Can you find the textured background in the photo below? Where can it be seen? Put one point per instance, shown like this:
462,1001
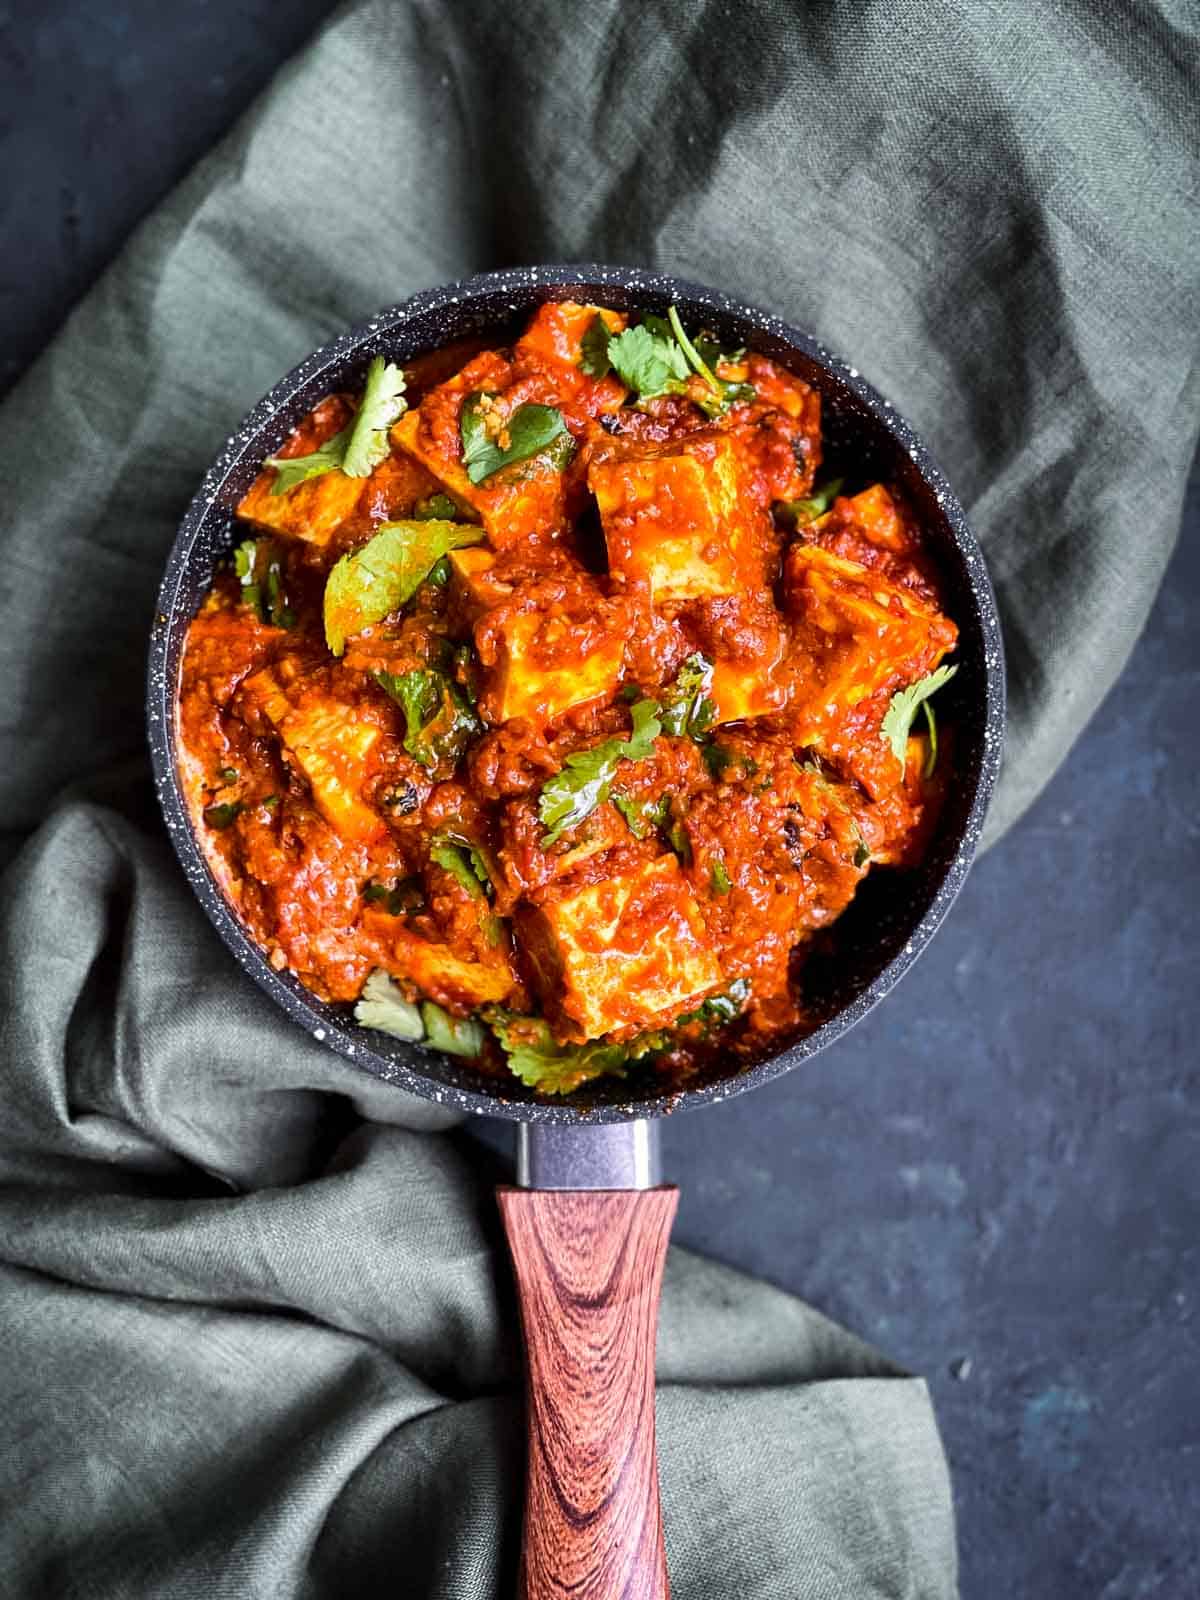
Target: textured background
994,1177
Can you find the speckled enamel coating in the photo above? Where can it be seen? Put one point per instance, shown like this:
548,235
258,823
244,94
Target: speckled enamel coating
894,915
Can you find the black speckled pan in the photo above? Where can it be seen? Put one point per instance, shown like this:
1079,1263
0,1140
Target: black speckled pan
893,916
588,1225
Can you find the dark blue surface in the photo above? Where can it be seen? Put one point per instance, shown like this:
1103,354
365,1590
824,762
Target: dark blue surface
998,1173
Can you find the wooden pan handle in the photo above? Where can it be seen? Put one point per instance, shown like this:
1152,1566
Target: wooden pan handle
589,1270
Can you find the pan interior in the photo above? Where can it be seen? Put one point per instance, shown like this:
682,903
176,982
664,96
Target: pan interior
893,914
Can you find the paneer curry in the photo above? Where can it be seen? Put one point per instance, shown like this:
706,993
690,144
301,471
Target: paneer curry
553,701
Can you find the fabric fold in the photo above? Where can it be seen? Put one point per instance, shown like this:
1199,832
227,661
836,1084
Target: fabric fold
259,1336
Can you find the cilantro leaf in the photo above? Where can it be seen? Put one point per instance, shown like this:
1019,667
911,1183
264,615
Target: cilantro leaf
259,568
464,861
702,357
660,327
482,866
417,693
656,357
593,347
634,813
245,558
708,348
404,897
729,391
903,707
382,403
275,602
727,394
457,1036
435,508
361,445
648,362
694,359
719,1008
575,792
718,758
458,864
220,816
293,470
680,841
816,504
587,776
928,769
386,572
439,723
687,709
646,728
724,1007
491,441
536,1057
382,1005
643,815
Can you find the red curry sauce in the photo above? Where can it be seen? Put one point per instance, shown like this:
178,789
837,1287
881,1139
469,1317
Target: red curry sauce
658,593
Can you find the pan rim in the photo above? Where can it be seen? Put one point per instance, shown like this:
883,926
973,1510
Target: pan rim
354,1043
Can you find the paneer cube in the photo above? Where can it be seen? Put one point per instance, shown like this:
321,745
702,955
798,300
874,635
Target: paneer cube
330,746
312,511
547,663
672,521
553,342
315,510
438,973
740,693
875,515
861,632
557,329
619,956
876,529
472,583
530,498
511,508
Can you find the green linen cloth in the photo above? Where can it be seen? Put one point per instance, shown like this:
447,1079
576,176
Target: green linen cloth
257,1329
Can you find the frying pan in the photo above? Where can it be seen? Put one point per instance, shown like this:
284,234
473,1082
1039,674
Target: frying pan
589,1219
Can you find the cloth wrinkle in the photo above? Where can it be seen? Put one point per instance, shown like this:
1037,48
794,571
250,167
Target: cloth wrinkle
261,1335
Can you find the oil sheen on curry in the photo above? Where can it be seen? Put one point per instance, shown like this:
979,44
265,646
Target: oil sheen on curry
552,701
